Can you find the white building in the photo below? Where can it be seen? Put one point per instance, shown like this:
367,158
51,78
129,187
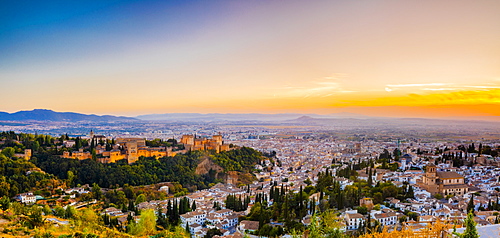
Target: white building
27,198
354,220
193,218
386,219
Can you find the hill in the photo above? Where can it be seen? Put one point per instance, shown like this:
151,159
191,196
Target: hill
182,168
49,115
232,117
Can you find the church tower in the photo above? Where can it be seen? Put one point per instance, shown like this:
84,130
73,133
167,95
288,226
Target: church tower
430,178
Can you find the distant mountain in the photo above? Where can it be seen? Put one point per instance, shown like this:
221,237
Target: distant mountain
49,115
381,122
241,117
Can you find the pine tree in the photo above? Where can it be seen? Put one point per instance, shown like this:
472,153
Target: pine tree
470,228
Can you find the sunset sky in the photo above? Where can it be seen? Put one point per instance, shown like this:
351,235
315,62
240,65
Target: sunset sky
384,58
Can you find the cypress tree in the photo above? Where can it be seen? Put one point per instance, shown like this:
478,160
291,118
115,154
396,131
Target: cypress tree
193,207
470,205
175,212
169,209
187,229
271,193
370,180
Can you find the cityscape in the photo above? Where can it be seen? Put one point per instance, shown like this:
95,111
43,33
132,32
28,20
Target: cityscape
236,119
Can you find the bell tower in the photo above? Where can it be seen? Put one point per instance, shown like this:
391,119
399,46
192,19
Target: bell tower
430,178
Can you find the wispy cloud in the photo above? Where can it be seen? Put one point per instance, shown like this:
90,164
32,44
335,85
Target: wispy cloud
416,85
422,86
324,87
483,87
439,87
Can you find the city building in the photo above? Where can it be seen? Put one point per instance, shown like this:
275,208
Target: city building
444,183
215,143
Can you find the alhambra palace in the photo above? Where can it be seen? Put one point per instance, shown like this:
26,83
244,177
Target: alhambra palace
132,149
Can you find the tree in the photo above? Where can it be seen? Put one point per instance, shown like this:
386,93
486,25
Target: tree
35,218
146,225
35,146
438,229
193,207
370,179
4,203
148,222
71,178
413,216
403,219
140,199
88,217
59,211
70,212
8,152
212,232
470,205
362,210
96,191
470,228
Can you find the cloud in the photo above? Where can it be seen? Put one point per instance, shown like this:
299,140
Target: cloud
434,98
425,86
483,87
416,85
440,87
324,87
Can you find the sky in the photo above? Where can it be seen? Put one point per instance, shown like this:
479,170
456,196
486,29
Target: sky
372,57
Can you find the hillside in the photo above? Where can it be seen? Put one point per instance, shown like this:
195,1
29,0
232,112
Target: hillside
19,176
192,169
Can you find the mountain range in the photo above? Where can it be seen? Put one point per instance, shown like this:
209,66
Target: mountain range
49,115
242,116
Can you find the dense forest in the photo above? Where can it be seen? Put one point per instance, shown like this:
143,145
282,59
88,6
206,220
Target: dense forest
18,176
180,168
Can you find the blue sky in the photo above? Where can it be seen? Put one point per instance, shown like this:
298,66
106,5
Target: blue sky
135,57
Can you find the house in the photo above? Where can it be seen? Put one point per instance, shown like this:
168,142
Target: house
353,220
248,226
232,220
193,218
26,198
223,213
194,228
386,219
69,143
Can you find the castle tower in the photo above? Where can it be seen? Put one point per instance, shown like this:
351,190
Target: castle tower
187,139
218,139
27,154
132,152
